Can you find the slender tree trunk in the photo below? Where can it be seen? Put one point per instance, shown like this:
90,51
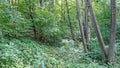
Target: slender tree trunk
81,26
97,30
87,26
111,53
69,20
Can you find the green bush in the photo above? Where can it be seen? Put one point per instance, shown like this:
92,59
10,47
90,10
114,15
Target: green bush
28,53
47,27
12,23
19,54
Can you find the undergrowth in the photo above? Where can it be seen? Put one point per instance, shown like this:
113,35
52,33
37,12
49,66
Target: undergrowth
26,53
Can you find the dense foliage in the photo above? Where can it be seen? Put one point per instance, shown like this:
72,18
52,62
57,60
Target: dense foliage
38,35
26,53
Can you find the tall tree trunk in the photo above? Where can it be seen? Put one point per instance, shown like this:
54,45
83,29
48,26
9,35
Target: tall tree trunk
97,30
87,26
81,27
111,53
69,20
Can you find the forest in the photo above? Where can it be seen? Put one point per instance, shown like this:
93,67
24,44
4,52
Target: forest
59,33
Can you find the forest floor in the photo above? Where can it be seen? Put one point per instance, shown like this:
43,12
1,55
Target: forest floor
26,53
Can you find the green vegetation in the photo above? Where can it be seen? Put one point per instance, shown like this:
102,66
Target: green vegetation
55,34
25,53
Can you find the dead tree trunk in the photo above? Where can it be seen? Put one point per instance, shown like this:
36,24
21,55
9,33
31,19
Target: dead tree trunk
111,53
97,30
81,27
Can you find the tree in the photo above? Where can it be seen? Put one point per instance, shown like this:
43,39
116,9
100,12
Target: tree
86,25
81,27
97,30
111,54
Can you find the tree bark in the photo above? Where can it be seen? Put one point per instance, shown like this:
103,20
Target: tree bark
111,53
86,25
81,27
97,30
